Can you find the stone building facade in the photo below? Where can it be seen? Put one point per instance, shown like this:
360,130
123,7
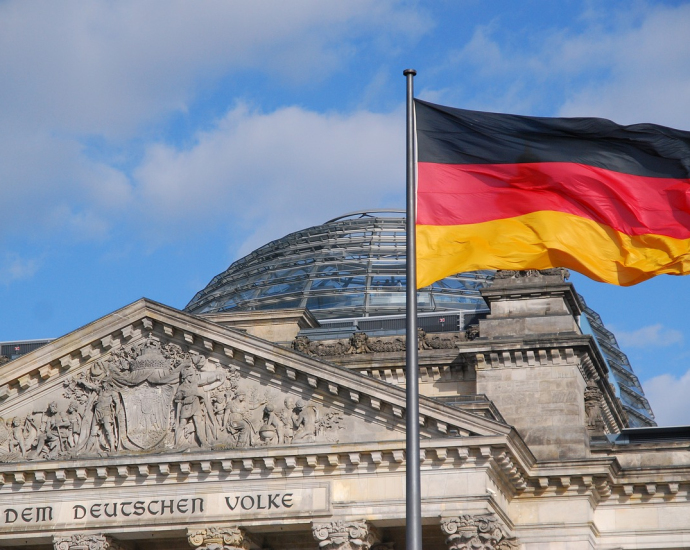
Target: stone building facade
153,428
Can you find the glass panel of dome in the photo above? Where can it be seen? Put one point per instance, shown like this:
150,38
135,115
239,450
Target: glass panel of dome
388,281
281,288
424,299
282,304
379,299
455,284
388,267
326,284
341,268
337,301
235,300
353,282
291,273
450,299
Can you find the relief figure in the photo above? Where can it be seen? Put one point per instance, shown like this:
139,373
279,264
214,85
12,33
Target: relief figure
237,421
305,423
271,430
193,413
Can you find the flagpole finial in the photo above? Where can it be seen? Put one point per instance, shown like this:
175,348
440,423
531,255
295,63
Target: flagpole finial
410,71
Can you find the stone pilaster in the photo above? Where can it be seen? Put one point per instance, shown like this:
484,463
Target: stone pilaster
219,538
87,542
478,532
346,535
538,384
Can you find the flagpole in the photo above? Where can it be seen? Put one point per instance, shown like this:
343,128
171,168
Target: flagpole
413,511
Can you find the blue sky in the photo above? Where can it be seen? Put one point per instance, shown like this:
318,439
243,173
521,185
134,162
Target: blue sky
145,145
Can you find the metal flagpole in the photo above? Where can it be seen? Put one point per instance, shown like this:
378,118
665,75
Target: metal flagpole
413,512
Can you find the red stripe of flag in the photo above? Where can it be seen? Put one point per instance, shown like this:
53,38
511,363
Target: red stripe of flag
454,194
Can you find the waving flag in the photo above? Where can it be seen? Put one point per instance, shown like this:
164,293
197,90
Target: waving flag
513,192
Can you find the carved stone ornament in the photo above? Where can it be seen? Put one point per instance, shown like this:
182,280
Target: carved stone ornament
219,538
346,535
87,542
595,419
361,343
156,397
472,332
562,273
478,532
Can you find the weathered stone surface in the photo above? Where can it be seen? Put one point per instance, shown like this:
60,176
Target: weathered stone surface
549,413
87,542
220,538
476,532
346,535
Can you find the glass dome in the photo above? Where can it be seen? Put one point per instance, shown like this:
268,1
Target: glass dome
351,266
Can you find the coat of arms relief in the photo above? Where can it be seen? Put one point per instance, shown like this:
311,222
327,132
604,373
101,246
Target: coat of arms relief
157,397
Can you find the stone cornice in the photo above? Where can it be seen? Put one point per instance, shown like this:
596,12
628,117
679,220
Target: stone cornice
504,460
303,317
533,288
496,452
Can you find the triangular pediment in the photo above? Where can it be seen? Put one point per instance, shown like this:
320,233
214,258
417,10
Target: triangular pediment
151,379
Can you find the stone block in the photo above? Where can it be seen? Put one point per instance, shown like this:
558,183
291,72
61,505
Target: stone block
511,327
529,307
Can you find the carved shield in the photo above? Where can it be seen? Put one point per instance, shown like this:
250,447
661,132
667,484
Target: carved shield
147,412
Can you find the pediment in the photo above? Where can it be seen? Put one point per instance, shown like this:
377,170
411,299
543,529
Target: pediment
149,379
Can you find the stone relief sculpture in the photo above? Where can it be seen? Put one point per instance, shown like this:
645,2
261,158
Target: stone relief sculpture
595,420
361,343
158,397
479,532
561,272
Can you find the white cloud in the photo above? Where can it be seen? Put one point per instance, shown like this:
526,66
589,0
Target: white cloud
81,72
668,397
628,65
649,76
278,171
15,268
101,67
648,337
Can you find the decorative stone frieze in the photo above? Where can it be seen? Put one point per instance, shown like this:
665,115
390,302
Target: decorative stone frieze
478,532
346,535
361,343
87,542
558,273
220,538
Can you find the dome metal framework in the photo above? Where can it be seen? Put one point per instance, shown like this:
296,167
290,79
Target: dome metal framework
351,266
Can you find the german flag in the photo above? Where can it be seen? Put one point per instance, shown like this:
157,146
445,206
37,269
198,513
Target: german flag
500,191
